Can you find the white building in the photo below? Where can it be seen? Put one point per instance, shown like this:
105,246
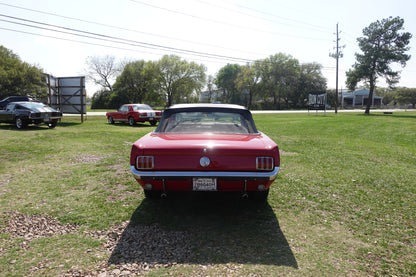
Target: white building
359,98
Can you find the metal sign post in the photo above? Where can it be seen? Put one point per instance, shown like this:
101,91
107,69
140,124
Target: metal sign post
317,101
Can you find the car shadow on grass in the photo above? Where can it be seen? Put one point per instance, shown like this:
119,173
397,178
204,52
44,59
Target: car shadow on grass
137,125
203,229
28,128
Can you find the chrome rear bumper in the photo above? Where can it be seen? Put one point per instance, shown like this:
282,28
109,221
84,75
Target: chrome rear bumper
159,175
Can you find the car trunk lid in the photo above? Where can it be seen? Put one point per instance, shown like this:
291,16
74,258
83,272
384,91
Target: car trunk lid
184,152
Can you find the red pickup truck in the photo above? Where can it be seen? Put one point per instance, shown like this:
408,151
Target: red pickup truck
133,113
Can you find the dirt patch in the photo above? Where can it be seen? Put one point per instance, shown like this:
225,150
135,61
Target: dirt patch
133,249
120,169
4,180
88,158
31,227
120,194
284,153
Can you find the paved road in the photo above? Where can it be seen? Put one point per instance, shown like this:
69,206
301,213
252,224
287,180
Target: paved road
303,111
287,111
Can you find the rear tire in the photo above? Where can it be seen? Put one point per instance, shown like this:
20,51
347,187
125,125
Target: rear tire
153,123
259,196
152,194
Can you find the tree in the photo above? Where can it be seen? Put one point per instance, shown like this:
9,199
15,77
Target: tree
280,73
406,96
20,78
102,70
388,98
310,79
226,80
381,45
136,81
101,99
386,93
178,79
211,88
249,80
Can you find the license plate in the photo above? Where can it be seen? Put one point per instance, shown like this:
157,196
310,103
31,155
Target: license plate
204,184
151,118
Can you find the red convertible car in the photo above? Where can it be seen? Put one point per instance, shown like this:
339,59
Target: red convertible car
205,147
133,113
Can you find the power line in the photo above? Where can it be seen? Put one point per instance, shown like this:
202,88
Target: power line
175,50
221,61
307,25
127,29
112,39
118,40
225,23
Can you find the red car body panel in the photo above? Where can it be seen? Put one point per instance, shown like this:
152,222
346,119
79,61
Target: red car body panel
228,151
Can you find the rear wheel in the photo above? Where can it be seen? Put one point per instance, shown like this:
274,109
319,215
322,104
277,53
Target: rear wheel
132,122
153,123
259,196
152,194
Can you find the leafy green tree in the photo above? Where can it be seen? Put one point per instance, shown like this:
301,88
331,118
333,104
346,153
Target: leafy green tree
101,99
136,81
280,73
406,96
179,80
382,44
226,80
20,78
116,100
388,98
249,80
310,79
211,88
386,93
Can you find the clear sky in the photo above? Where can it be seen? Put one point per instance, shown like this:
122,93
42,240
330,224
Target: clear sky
211,32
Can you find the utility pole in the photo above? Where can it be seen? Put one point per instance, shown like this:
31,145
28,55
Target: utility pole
338,54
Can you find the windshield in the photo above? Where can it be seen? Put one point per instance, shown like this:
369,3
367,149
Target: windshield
32,105
206,122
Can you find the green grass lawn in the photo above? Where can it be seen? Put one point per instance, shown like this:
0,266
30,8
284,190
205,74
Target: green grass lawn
343,204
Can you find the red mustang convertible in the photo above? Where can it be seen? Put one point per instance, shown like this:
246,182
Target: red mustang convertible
205,147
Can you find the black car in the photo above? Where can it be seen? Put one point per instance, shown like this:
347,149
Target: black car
5,101
24,113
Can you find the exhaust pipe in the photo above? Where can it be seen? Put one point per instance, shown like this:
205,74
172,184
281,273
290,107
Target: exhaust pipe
245,195
163,195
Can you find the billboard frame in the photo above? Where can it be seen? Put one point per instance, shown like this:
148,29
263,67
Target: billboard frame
67,94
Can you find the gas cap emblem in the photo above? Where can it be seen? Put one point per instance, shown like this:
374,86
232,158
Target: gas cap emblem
204,161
